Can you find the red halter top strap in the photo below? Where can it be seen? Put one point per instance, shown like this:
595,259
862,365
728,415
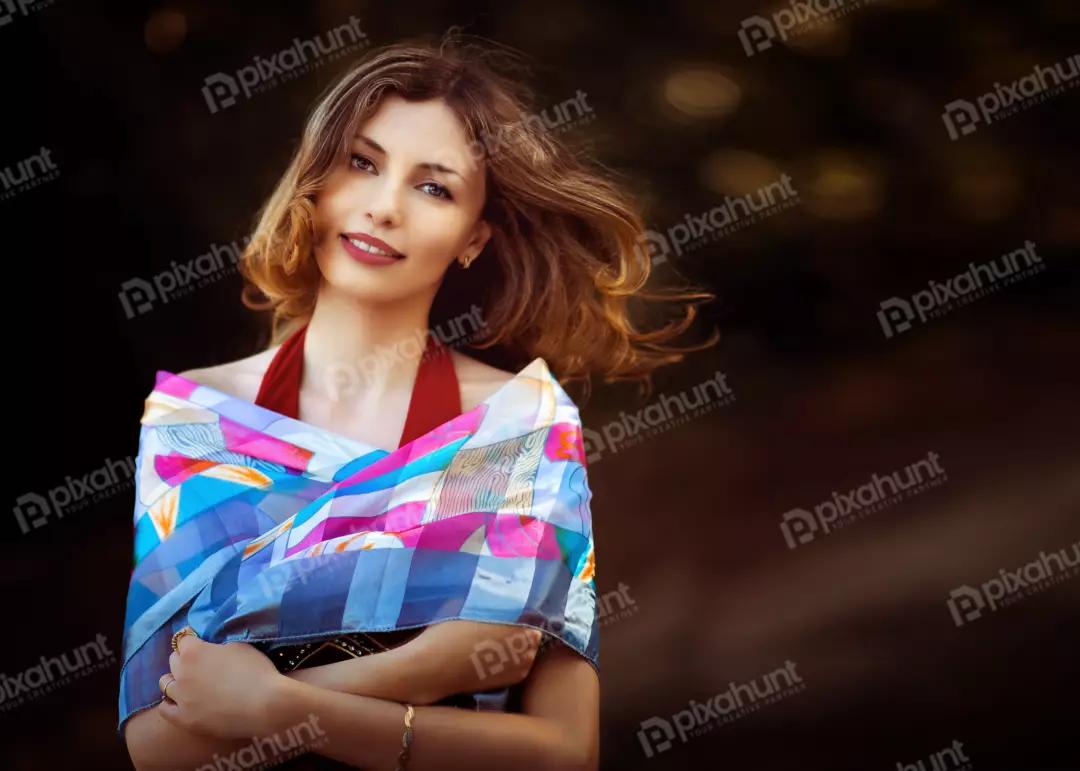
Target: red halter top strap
436,395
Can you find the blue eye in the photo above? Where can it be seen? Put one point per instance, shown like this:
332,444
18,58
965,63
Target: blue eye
440,190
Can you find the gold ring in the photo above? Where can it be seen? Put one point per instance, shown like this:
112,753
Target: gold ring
165,690
176,638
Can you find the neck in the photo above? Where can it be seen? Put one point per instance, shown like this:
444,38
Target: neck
353,347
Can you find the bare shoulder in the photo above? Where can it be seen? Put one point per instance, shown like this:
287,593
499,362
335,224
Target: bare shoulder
240,378
477,380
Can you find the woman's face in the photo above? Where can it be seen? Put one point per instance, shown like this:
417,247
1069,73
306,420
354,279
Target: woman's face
411,182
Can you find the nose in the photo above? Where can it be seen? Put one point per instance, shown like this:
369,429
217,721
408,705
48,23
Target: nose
384,206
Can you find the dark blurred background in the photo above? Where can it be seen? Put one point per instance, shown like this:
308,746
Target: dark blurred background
697,103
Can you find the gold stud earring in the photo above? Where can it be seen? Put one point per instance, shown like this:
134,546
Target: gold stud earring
465,262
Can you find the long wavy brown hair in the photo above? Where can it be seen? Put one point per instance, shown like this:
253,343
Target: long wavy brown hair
566,257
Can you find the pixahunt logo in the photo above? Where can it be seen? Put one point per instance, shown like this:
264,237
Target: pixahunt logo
28,173
607,613
897,315
565,115
491,656
457,332
949,759
657,417
9,9
268,751
800,526
657,734
310,564
74,494
222,91
757,33
562,117
138,296
53,673
967,604
962,117
734,214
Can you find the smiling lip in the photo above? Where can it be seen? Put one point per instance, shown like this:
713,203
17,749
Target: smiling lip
366,257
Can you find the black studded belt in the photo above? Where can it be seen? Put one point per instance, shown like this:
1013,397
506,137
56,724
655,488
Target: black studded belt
339,648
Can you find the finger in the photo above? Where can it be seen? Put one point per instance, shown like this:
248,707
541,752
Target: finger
187,639
170,711
164,680
535,642
527,634
174,662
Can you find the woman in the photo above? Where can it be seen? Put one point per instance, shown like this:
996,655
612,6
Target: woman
367,518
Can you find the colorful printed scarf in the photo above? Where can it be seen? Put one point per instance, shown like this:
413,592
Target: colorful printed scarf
255,527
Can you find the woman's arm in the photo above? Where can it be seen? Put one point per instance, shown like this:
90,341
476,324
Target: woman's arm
559,730
437,663
155,744
446,658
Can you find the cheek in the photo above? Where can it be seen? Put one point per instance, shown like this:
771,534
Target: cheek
333,202
432,236
439,232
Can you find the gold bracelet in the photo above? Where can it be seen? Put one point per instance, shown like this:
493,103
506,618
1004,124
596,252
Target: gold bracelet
406,738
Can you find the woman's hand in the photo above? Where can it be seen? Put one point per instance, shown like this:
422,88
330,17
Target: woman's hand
219,690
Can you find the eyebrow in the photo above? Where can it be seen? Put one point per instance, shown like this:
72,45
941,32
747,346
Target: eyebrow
427,165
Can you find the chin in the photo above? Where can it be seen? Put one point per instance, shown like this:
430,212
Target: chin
369,284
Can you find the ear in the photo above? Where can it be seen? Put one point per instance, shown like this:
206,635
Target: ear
480,236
